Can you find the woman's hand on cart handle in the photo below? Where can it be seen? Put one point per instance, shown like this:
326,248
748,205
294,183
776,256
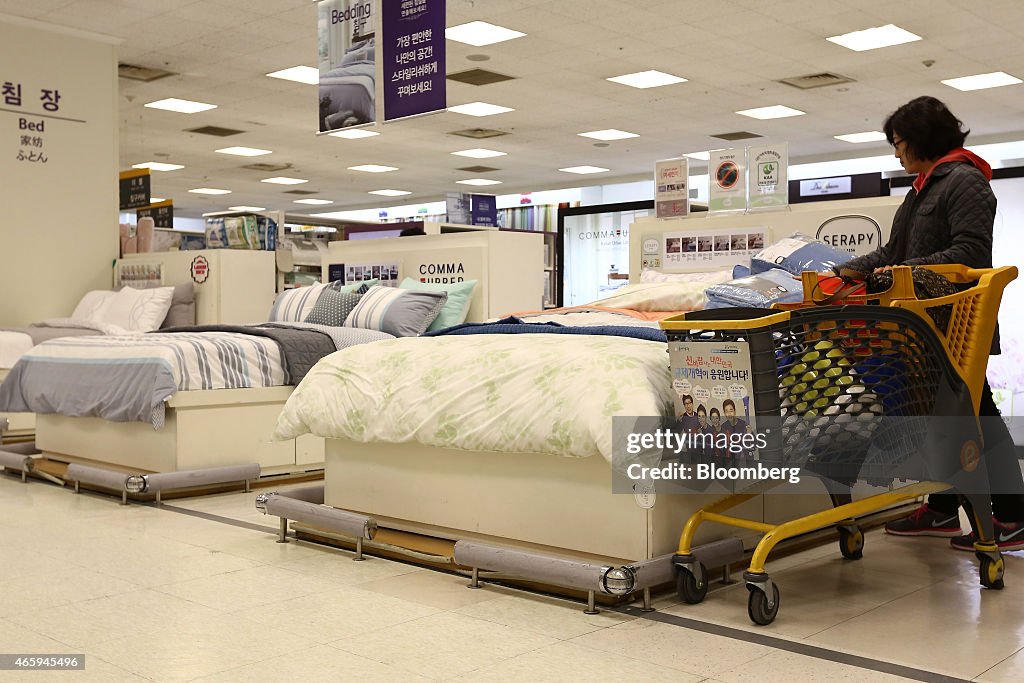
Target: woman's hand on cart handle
883,269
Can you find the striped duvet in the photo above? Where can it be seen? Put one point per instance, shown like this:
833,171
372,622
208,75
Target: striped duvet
128,378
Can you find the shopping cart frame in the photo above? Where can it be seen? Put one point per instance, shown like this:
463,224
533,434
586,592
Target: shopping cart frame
966,345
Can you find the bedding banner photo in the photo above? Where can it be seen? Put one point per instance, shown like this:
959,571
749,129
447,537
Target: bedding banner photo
346,56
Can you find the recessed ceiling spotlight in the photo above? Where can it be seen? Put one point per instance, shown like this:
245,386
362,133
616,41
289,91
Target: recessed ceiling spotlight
390,193
158,166
284,180
583,170
995,79
180,106
354,133
372,168
479,109
479,153
300,74
873,38
608,134
480,33
858,138
777,111
647,79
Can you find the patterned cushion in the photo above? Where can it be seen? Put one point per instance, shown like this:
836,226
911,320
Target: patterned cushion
293,305
401,312
333,307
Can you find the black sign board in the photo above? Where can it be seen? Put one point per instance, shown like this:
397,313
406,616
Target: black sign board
162,214
134,189
335,272
839,187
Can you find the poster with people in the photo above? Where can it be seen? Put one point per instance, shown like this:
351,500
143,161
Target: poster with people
713,387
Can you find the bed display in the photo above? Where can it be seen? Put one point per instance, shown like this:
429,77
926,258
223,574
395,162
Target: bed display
489,388
129,378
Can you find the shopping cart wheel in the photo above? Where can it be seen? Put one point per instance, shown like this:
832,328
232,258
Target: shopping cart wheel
991,571
851,542
761,612
692,589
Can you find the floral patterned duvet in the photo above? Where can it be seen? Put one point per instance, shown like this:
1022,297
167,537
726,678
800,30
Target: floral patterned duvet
523,393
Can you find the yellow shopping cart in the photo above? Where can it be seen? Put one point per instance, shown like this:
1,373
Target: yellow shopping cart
855,392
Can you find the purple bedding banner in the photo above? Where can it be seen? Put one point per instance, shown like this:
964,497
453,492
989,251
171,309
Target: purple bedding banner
412,36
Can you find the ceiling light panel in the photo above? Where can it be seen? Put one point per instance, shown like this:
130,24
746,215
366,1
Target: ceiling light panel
479,109
244,151
284,180
995,79
480,33
608,134
859,138
390,193
777,111
247,208
209,190
583,170
315,202
300,74
354,133
874,38
180,106
479,153
158,166
647,79
372,168
478,181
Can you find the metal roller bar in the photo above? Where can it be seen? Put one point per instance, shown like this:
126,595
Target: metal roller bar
551,569
309,494
660,570
85,474
17,461
322,516
163,481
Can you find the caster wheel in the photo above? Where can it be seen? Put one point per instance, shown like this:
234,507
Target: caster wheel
851,543
688,588
757,606
991,572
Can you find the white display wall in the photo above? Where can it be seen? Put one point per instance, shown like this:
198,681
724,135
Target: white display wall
59,165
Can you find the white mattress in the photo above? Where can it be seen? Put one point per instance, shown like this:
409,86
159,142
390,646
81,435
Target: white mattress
12,346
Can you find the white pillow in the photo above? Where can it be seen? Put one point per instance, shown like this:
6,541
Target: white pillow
90,304
137,310
295,305
657,296
714,277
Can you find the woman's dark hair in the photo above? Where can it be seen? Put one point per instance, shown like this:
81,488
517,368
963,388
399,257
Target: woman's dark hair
702,409
714,411
928,127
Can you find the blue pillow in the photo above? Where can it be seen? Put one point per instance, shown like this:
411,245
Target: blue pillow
798,253
455,311
756,291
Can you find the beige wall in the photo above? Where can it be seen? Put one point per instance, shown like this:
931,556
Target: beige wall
58,220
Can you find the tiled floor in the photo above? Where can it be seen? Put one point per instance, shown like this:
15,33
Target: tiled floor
157,594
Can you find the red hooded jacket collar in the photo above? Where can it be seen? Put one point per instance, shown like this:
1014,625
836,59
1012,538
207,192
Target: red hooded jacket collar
959,154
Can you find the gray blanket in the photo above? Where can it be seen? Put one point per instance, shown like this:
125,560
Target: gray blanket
300,348
41,334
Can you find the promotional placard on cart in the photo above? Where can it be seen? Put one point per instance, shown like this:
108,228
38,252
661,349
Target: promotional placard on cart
713,378
671,188
727,185
707,249
767,179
